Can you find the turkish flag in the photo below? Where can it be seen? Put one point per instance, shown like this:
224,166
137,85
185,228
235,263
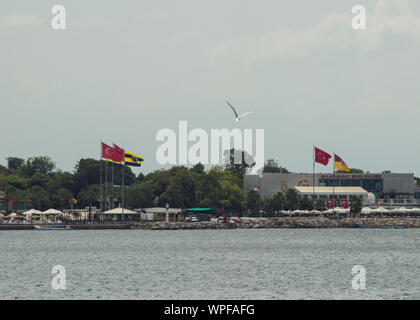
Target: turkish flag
321,156
344,203
107,152
119,154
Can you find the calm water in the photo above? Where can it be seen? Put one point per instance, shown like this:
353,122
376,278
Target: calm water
211,264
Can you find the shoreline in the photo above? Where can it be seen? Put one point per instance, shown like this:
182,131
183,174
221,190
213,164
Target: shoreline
254,223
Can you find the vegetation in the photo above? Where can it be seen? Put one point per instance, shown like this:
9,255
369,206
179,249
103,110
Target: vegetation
355,205
219,187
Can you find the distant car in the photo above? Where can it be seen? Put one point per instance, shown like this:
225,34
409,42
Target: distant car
214,220
194,219
221,219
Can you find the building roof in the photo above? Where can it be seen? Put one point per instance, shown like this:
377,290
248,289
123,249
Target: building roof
332,190
161,210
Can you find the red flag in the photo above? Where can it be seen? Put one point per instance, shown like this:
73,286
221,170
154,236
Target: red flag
107,152
321,156
119,154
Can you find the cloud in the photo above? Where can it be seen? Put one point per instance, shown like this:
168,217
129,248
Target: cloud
13,20
388,17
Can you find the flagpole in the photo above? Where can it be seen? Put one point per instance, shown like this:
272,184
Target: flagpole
105,186
122,190
333,179
100,179
112,185
313,176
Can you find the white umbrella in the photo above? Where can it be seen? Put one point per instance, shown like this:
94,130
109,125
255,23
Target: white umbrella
119,211
52,212
366,210
31,212
380,210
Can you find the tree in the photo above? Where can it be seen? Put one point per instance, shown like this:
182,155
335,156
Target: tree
64,197
181,190
292,199
39,197
246,162
42,165
140,195
272,165
305,204
355,205
253,200
320,205
278,201
89,195
13,163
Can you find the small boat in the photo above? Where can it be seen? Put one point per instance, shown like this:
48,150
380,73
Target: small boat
381,227
52,228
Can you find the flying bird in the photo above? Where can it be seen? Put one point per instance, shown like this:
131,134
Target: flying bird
237,117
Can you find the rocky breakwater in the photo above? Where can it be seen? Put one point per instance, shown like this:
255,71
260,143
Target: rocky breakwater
284,222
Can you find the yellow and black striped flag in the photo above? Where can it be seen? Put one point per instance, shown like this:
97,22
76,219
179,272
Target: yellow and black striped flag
132,159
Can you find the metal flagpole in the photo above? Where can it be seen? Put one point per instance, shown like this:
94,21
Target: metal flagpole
100,179
313,176
122,190
105,186
112,185
333,180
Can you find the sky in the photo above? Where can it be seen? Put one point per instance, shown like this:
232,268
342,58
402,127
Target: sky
122,71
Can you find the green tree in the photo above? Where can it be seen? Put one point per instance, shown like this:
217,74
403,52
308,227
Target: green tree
42,165
278,202
292,200
320,205
89,196
253,200
14,163
140,195
244,162
272,165
181,190
39,197
305,204
64,197
355,205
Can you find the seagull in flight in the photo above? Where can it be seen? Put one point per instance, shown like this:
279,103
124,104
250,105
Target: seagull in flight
236,114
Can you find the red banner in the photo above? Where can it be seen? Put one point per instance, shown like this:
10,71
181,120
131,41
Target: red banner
322,156
344,203
330,203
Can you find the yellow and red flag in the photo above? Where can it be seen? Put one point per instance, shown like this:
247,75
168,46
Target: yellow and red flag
339,164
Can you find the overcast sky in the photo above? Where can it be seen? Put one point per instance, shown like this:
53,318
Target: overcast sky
123,70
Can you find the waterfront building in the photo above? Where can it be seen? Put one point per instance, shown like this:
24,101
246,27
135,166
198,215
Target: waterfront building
389,189
338,194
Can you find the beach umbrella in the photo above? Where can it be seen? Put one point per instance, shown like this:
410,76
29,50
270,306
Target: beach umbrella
366,210
32,212
52,212
380,210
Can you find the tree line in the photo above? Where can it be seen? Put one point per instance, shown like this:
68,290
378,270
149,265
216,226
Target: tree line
221,187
